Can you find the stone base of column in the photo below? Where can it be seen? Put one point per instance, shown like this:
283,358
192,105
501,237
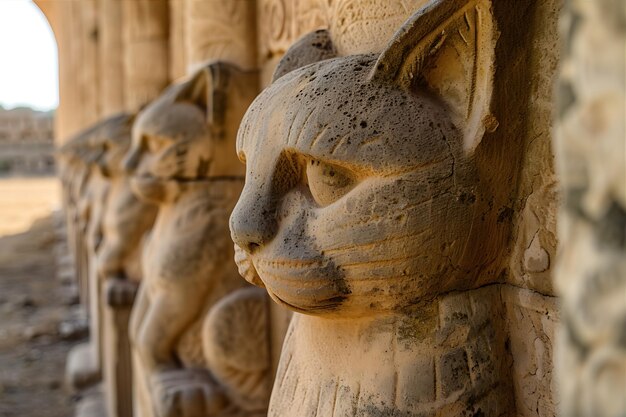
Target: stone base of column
119,296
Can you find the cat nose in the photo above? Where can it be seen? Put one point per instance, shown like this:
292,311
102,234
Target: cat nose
253,222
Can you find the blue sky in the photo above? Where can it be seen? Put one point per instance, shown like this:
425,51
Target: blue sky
28,57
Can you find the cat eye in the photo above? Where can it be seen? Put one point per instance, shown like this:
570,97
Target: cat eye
328,182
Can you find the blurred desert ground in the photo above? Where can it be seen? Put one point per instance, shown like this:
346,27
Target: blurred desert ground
35,305
24,200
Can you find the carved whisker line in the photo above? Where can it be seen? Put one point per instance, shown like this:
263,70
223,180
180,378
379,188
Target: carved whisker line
293,122
463,36
335,398
381,279
302,127
303,397
369,244
303,282
379,262
318,136
338,143
285,372
319,398
292,264
295,388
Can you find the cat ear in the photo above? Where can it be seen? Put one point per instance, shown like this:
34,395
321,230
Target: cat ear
205,89
313,47
209,89
449,48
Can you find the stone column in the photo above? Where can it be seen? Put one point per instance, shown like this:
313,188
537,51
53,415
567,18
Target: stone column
117,359
85,71
221,29
76,31
146,50
54,12
63,112
591,156
111,54
178,31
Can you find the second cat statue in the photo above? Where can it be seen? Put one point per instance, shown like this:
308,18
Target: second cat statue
198,331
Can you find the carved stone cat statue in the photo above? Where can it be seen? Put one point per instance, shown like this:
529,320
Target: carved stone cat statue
198,330
126,219
88,192
74,172
109,224
364,212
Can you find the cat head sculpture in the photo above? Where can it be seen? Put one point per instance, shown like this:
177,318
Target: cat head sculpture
115,134
98,149
176,138
361,191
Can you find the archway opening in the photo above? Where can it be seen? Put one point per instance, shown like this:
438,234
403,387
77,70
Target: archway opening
29,73
28,99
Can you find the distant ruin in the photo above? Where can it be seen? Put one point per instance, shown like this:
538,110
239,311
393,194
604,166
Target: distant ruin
26,142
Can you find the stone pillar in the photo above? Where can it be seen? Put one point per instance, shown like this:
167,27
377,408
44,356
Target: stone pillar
281,23
77,28
76,31
591,156
63,113
146,50
117,367
178,31
55,12
221,29
86,109
111,54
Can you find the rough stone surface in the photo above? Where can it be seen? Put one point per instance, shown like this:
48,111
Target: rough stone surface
222,30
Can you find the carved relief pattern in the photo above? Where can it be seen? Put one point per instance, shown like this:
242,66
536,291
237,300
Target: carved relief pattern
282,22
365,26
146,50
221,29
